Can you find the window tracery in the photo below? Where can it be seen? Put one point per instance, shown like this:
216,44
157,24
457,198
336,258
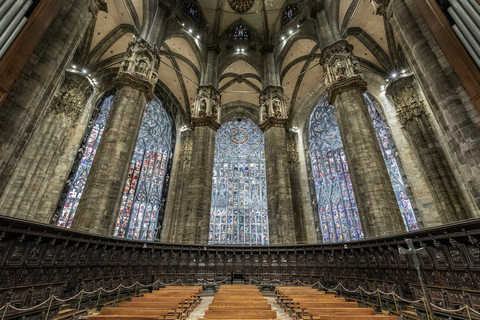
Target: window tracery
78,183
192,10
290,12
238,214
142,198
241,33
337,208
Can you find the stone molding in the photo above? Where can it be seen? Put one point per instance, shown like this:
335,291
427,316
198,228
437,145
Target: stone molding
139,68
205,110
273,107
206,121
341,71
407,99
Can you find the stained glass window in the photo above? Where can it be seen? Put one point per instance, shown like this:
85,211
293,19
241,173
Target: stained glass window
238,213
78,183
337,207
141,202
392,166
240,33
289,13
192,10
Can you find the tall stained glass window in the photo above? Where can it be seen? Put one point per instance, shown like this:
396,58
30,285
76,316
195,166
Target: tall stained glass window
337,207
238,213
78,183
138,214
142,198
392,166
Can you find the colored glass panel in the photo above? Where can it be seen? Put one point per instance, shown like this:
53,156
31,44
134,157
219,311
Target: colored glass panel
78,184
290,12
238,213
141,201
240,33
337,209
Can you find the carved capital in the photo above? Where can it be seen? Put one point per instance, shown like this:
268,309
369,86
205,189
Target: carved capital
139,68
71,96
97,6
407,99
341,70
205,110
380,6
272,122
273,106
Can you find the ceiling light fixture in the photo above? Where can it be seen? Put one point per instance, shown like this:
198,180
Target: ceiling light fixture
190,30
84,70
394,75
198,36
283,37
74,67
404,71
290,31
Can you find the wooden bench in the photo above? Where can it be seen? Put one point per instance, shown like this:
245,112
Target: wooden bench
120,317
221,314
240,307
355,317
158,313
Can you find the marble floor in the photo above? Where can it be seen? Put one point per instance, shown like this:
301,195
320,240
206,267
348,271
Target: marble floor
199,312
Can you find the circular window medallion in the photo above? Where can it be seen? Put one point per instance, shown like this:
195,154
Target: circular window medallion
239,136
241,6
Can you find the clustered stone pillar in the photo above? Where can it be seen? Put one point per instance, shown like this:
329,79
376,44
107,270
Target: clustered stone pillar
376,202
205,121
415,121
274,123
101,199
443,92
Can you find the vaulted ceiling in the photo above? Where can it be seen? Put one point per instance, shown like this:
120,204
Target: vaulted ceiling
240,73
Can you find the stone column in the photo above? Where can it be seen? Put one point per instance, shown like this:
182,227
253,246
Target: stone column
274,123
416,123
376,202
101,199
445,95
32,91
205,121
36,183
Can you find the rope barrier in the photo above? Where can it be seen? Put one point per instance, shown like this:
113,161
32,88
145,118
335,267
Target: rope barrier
448,310
31,308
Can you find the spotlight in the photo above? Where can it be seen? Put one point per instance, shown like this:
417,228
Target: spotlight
404,71
84,70
283,37
183,24
383,87
198,36
298,26
190,30
238,49
394,75
74,67
290,31
243,50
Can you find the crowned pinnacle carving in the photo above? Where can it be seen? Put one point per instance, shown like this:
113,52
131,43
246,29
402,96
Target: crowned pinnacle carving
340,70
139,68
407,99
273,108
205,110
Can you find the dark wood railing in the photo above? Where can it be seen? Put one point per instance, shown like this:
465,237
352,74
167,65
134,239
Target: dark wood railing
38,260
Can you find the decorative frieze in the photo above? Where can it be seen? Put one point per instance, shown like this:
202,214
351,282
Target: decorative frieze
341,70
139,68
407,99
205,110
273,108
71,96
